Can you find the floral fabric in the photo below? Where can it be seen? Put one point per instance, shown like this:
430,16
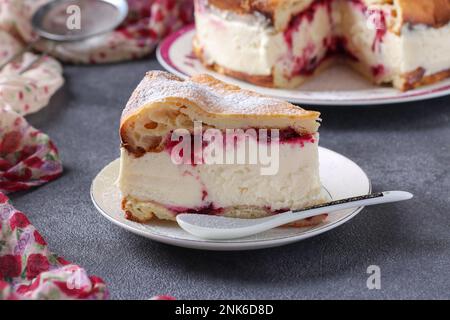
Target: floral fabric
28,157
28,270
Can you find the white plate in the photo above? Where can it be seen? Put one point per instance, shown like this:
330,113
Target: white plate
337,86
341,177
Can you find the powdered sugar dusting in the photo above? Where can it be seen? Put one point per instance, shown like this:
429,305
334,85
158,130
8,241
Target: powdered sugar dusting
210,95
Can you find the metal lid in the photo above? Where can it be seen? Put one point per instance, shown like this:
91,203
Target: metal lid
73,20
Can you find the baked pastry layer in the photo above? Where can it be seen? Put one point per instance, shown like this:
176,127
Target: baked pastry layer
145,211
153,185
170,103
384,40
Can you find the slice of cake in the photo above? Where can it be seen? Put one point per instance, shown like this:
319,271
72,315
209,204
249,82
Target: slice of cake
160,179
276,43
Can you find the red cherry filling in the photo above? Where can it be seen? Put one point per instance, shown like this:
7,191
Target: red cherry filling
307,14
308,62
378,70
285,136
206,209
377,18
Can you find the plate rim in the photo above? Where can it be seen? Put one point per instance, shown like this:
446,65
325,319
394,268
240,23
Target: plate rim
215,245
420,94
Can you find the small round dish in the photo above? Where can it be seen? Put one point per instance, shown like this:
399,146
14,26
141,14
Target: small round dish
337,86
340,176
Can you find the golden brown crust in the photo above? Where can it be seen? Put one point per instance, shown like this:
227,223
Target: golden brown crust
263,81
278,12
163,102
417,78
309,222
129,214
435,13
211,96
146,211
266,7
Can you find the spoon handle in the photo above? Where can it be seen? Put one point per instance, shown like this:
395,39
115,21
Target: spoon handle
222,228
354,202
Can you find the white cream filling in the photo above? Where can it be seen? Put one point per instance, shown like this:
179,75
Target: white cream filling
416,47
154,177
238,44
247,44
307,42
426,47
360,37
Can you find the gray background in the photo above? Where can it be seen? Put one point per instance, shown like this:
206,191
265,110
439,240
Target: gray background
399,146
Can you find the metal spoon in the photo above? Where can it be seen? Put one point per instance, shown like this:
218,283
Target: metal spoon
223,228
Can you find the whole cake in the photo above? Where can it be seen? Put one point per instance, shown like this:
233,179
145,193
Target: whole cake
280,43
156,184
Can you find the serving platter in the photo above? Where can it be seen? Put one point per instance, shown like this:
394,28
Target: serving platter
337,86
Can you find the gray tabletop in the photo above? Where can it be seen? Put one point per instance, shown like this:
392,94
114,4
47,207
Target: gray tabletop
399,146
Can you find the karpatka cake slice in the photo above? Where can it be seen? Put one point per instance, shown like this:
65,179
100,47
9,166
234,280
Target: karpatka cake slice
153,185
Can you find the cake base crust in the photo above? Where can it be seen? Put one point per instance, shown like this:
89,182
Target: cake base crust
405,82
145,211
417,79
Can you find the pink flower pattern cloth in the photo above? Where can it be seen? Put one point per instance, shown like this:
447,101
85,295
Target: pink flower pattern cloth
28,157
147,22
28,270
